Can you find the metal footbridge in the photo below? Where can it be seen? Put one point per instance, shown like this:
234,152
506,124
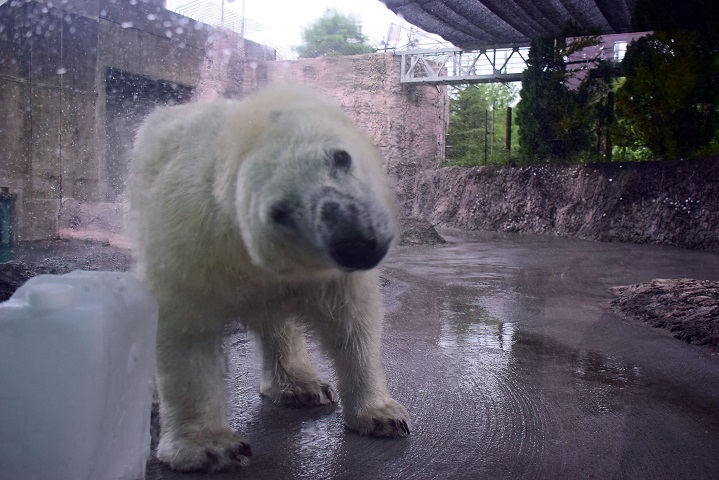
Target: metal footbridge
454,66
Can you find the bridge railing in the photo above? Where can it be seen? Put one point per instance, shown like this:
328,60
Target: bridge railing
456,66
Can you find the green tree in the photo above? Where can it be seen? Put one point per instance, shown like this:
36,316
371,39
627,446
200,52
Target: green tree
333,35
670,98
477,125
554,122
700,16
597,94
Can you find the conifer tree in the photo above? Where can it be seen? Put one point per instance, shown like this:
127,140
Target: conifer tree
553,122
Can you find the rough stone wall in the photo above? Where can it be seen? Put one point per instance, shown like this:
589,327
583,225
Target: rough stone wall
406,122
671,203
54,62
77,77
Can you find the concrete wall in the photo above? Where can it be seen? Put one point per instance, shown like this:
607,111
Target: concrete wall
77,77
669,203
58,137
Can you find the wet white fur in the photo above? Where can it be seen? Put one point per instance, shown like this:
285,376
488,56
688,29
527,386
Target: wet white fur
202,179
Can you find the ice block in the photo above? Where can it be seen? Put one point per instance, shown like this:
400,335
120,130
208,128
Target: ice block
77,355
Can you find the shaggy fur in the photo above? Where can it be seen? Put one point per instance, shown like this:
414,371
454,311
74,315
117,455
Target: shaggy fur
273,210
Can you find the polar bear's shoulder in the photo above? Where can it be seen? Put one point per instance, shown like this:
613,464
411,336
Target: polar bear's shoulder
174,132
272,101
171,121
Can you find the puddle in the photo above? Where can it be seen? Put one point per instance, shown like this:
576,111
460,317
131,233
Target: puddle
470,325
602,380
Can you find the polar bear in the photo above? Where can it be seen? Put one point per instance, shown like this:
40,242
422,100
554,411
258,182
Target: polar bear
273,210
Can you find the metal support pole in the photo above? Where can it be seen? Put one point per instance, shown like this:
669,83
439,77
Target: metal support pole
486,135
610,109
494,132
508,141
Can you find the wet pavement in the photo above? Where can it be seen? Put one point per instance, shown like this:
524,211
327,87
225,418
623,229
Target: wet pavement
504,351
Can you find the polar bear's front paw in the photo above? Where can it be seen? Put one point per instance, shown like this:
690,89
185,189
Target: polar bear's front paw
297,395
208,451
389,419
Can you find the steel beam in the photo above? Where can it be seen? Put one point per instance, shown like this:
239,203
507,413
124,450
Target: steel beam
455,66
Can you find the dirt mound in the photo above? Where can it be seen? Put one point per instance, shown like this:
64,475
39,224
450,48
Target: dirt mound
687,308
415,231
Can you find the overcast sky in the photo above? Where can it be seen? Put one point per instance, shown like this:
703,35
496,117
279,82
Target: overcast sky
282,21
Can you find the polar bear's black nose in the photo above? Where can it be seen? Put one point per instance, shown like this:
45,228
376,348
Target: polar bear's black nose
351,241
357,253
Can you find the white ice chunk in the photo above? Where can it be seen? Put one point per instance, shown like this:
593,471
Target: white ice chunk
77,357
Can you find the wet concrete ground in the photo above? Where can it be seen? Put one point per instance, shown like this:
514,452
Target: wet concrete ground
504,352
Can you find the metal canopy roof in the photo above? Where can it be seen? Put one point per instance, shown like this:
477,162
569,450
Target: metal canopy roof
479,23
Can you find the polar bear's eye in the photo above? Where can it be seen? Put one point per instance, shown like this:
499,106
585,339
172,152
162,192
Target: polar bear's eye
281,214
341,160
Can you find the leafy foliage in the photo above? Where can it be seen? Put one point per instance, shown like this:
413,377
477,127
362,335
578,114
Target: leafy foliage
596,94
670,98
662,102
700,16
333,35
554,122
473,137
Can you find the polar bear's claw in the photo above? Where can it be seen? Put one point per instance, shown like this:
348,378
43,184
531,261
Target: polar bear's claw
389,428
389,420
223,451
308,395
329,392
399,426
229,459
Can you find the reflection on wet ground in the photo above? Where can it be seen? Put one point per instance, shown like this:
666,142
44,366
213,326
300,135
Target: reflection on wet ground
504,352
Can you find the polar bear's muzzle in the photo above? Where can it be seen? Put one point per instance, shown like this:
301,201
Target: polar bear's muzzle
349,236
354,234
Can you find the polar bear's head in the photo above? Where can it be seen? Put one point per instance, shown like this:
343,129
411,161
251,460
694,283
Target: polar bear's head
311,193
